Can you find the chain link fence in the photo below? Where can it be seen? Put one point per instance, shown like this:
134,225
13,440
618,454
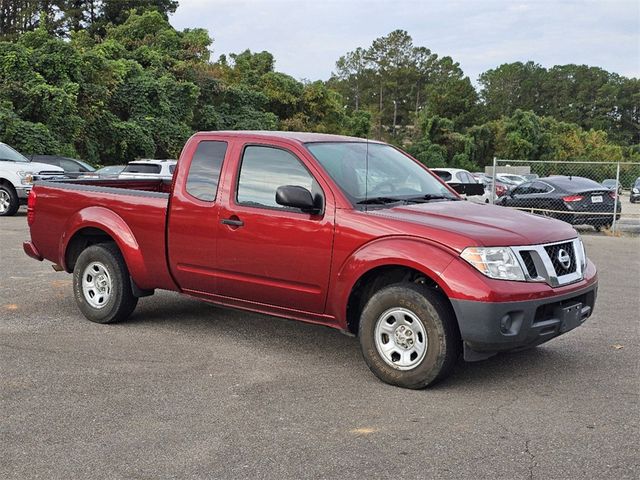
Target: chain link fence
600,195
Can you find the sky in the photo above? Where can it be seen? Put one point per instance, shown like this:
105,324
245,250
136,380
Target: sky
307,37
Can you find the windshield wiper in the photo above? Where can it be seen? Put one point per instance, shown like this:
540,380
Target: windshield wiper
379,201
430,196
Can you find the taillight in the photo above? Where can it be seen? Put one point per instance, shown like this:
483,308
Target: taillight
572,198
31,206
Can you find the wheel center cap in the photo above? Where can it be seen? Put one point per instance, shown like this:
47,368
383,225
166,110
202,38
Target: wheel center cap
403,336
101,282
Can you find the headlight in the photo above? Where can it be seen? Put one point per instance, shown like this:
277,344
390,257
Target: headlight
583,254
635,190
494,262
26,178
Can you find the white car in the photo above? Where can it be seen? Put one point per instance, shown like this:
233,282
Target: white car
148,168
459,175
17,175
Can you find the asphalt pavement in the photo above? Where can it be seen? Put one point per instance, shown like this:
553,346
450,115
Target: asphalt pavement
189,390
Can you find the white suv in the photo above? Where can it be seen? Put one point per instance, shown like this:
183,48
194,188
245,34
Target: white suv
148,168
458,175
17,175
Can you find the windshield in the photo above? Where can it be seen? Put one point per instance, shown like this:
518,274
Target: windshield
142,168
392,176
8,154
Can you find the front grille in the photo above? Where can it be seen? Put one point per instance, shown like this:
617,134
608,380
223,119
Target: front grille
528,262
541,263
49,173
554,250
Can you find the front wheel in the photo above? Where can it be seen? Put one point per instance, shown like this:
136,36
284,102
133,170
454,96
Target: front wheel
408,335
9,202
101,284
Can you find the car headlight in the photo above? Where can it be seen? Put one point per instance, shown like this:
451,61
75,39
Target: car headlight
635,190
26,178
583,254
494,262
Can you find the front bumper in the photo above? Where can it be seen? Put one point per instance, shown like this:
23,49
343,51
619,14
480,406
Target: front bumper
491,327
23,193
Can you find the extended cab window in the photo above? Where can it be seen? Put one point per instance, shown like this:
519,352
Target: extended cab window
263,170
204,172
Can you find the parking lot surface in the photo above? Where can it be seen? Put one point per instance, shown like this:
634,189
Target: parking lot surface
189,390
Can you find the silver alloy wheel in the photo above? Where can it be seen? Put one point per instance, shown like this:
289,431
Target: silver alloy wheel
96,285
401,339
5,201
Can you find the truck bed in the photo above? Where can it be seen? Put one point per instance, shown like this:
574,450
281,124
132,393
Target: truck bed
140,204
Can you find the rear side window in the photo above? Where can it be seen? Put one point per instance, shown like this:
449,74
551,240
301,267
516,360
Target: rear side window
142,168
263,170
539,187
204,172
445,176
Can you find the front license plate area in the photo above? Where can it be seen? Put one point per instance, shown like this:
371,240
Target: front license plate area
596,199
570,316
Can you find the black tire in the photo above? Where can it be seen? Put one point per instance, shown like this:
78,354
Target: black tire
443,337
8,193
120,302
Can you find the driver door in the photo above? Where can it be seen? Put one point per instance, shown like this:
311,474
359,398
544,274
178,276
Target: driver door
266,253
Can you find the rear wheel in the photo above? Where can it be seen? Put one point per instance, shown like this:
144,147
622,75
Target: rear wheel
9,202
101,284
408,335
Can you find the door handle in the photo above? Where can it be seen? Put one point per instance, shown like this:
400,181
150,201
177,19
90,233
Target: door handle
234,222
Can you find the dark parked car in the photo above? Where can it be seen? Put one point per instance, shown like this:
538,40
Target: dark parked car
613,184
575,200
72,167
635,191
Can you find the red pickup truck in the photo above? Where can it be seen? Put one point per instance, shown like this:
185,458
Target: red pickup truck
326,229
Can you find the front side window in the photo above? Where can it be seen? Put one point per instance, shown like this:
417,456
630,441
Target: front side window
204,172
263,170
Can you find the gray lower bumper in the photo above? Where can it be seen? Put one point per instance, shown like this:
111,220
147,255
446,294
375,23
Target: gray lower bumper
488,328
23,193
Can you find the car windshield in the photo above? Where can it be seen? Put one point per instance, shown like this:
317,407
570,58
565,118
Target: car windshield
377,173
142,168
8,154
88,167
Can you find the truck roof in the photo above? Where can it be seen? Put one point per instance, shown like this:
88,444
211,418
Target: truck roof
302,137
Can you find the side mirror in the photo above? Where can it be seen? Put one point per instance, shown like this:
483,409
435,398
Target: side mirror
297,197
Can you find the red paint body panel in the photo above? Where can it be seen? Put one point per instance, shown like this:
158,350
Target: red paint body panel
283,263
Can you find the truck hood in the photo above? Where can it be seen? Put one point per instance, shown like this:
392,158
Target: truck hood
469,224
37,167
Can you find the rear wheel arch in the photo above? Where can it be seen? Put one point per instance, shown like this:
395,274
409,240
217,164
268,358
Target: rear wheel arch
95,225
80,241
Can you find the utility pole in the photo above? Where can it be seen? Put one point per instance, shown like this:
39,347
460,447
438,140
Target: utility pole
395,114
